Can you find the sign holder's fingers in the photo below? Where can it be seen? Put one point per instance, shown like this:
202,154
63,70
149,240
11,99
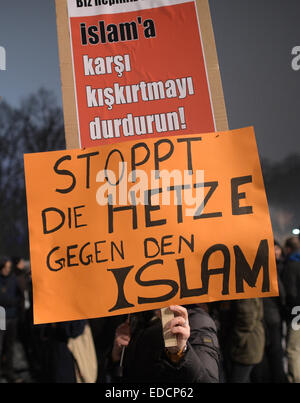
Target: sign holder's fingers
170,339
180,310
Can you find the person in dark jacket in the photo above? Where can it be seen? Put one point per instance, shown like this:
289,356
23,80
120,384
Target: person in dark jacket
291,280
24,331
10,300
58,364
103,331
18,267
195,359
247,338
271,368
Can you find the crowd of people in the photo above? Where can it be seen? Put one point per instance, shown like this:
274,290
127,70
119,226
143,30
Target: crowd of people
240,341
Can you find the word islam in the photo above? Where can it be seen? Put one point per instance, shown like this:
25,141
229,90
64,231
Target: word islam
123,32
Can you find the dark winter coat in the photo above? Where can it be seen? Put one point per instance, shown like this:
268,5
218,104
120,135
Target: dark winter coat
247,341
291,281
145,359
57,357
10,295
274,307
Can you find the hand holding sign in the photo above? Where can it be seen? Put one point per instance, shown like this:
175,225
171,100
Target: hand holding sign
180,327
122,339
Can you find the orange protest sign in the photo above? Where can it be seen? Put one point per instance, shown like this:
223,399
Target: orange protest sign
138,69
108,237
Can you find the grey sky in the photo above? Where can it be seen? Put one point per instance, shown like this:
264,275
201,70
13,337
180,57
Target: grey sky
28,33
254,40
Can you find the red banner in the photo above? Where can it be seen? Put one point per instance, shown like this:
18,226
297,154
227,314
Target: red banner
139,71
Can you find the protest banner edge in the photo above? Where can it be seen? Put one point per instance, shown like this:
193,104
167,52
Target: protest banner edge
67,75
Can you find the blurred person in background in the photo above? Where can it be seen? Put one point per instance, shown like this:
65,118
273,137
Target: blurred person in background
18,267
11,299
56,360
271,369
24,332
291,281
245,340
103,331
